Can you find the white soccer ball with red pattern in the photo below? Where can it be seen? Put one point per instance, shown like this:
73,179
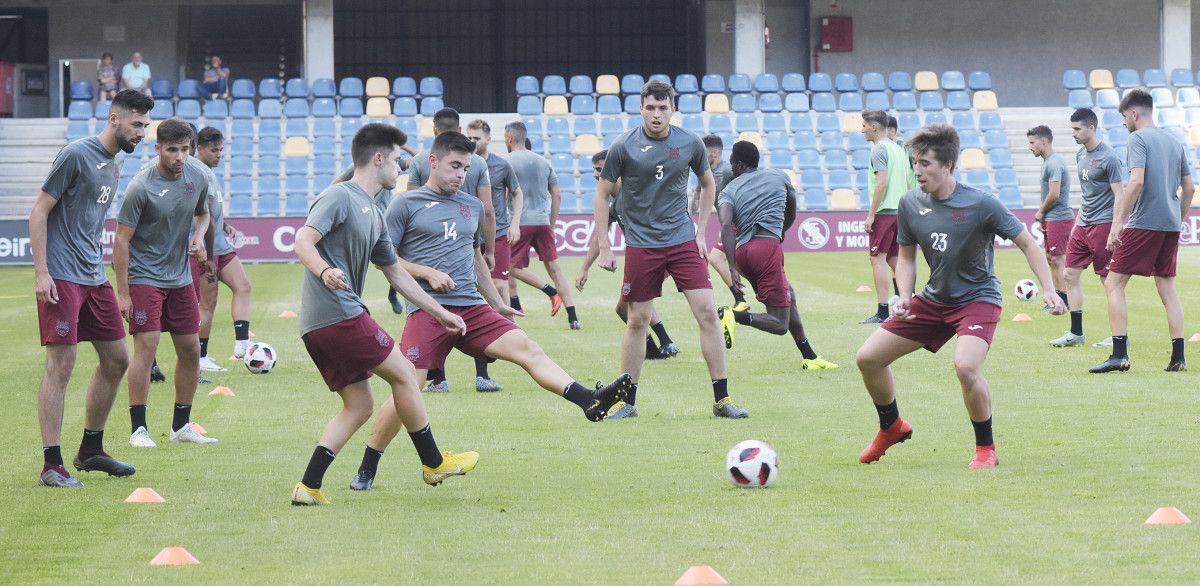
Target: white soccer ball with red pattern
260,358
1025,289
752,464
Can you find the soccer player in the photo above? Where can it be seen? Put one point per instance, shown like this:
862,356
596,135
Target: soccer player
344,232
1100,179
438,234
955,226
227,268
75,302
1055,213
538,218
1147,218
722,175
888,179
652,163
162,222
761,204
504,187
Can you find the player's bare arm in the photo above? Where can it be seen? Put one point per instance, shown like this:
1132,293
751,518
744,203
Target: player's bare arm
483,281
438,281
604,190
404,284
1187,189
1052,194
121,267
906,278
708,195
1123,202
729,242
881,178
39,216
306,250
516,204
1041,269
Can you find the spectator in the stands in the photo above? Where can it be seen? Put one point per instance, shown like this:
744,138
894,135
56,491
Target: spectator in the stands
106,78
216,78
136,75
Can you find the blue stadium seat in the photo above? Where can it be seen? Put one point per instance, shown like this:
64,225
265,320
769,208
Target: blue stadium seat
900,81
1075,79
242,89
243,109
241,185
430,106
659,77
931,101
215,111
585,125
322,182
160,89
693,123
904,101
820,82
823,102
935,118
1079,99
1011,197
958,100
969,139
711,83
836,159
527,105
1000,158
827,122
1006,178
908,122
746,122
859,159
770,103
839,179
831,139
580,84
77,129
773,121
296,108
846,82
873,82
633,104
608,105
995,139
297,181
1162,98
979,178
240,204
718,123
527,85
766,82
296,204
533,126
776,139
615,125
877,101
242,145
241,166
554,85
686,83
404,87
804,139
162,110
808,159
1168,117
1182,78
742,103
739,83
188,110
350,108
632,83
851,102
793,82
1107,99
990,121
269,87
188,89
103,106
1111,119
268,147
1188,97
1125,79
296,87
81,90
269,108
796,102
979,80
689,104
857,140
82,110
297,127
324,108
431,87
323,146
268,204
350,87
583,105
953,81
584,163
562,163
408,125
780,159
558,125
1154,78
324,88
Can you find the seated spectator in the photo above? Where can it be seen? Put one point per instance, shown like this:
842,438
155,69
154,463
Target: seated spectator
106,78
136,75
216,78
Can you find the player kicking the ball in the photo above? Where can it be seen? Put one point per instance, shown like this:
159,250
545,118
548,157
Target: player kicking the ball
955,227
343,233
762,204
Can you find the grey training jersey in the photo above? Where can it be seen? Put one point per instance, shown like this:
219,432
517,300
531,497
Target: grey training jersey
160,211
383,197
441,232
504,184
216,204
1054,168
759,199
1165,163
722,175
477,175
1098,170
352,237
956,236
654,179
83,179
535,176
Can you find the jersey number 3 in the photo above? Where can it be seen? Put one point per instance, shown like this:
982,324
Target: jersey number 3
658,171
939,241
450,230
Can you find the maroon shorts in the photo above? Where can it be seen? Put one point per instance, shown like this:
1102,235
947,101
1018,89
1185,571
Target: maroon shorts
541,239
1089,246
346,352
761,261
933,324
84,313
1149,253
155,309
1055,236
503,258
882,239
219,263
646,268
426,343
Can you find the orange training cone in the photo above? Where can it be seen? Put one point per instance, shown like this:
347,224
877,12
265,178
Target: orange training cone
144,495
862,289
251,332
1022,317
174,556
700,576
196,427
1168,516
1195,337
226,391
287,313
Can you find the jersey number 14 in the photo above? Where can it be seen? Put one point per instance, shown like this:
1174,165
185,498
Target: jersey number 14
450,230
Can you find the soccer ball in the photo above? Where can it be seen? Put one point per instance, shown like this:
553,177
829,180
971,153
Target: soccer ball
1025,289
752,464
259,358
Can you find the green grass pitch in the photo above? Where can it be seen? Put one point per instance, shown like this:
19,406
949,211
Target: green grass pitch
557,500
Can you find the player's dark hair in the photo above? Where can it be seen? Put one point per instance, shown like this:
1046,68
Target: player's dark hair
106,54
1138,98
659,90
1041,131
517,130
174,130
876,117
746,153
209,135
1086,117
451,141
528,144
893,124
600,156
132,101
446,120
939,139
373,138
713,141
480,124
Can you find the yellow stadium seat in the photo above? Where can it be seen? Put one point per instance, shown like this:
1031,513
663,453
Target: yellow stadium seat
926,81
426,129
1100,79
152,130
378,108
378,87
795,180
716,103
677,119
402,184
752,137
843,199
555,106
985,101
296,146
586,144
1194,136
852,122
608,85
972,159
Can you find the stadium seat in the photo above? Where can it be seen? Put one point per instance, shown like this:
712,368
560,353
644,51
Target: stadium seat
969,139
746,123
188,110
296,204
718,124
823,102
990,121
558,125
958,101
814,192
836,159
268,203
242,88
852,122
1074,79
323,88
580,84
431,87
831,139
686,83
739,83
1188,97
742,103
984,101
322,181
904,101
752,137
925,81
1154,78
972,158
296,108
931,101
716,103
608,85
608,105
583,105
845,82
850,102
162,110
877,101
1111,119
1194,136
829,122
1079,99
808,159
297,147
586,144
632,83
1181,78
859,159
408,125
873,82
776,139
81,90
908,122
953,81
780,159
585,125
1006,178
1010,196
323,146
377,87
1100,79
820,82
82,110
935,118
633,104
554,85
350,87
1168,117
766,82
188,89
270,87
801,121
839,179
963,121
659,77
793,82
900,81
527,85
712,83
269,108
804,139
240,204
242,145
268,147
215,111
350,108
1000,158
296,87
1162,97
979,80
103,106
770,103
77,129
1125,79
842,198
527,105
1107,99
995,138
796,102
430,106
160,89
693,123
555,105
562,163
